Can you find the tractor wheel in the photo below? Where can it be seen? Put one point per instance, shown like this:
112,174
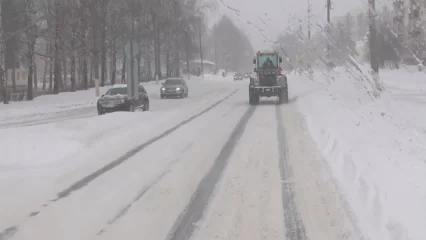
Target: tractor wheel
254,99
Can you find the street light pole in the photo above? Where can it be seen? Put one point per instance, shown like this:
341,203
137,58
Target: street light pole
201,51
328,31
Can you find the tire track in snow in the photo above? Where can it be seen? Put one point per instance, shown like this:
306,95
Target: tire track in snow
7,233
185,224
294,226
142,192
86,180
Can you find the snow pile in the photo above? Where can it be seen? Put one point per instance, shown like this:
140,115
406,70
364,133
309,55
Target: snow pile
64,139
49,104
376,148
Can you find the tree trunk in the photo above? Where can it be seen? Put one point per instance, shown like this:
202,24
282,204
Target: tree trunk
3,85
139,59
103,51
51,75
148,63
85,74
57,64
123,69
167,63
45,75
84,68
13,80
30,82
157,52
65,73
31,64
187,51
113,63
95,59
73,68
177,64
35,77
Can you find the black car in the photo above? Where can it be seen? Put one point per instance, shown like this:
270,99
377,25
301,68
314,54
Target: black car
174,87
116,99
238,76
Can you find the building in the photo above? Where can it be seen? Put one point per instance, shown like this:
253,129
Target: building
208,66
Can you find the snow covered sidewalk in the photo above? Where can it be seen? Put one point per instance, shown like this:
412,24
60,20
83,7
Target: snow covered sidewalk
376,148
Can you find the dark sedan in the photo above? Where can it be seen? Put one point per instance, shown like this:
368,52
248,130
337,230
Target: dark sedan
174,87
116,99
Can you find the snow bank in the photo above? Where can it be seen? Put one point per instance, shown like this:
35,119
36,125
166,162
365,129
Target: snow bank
50,144
376,148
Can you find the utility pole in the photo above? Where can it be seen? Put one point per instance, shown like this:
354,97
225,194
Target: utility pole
373,39
309,19
328,30
187,51
201,51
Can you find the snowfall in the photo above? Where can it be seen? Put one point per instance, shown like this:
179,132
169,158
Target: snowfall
358,162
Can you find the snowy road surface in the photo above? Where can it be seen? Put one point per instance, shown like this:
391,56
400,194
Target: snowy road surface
82,104
207,167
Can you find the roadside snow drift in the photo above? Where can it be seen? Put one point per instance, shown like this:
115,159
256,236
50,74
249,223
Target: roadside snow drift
376,148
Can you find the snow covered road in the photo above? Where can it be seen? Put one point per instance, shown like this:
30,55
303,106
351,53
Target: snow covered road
82,104
215,168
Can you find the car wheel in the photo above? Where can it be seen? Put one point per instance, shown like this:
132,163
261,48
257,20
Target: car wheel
131,108
100,112
162,96
182,95
146,107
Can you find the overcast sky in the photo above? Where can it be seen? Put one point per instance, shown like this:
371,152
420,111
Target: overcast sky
262,19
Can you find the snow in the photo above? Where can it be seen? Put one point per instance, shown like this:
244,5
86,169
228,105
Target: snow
82,104
375,148
322,208
49,104
357,162
42,160
119,86
204,61
247,205
170,167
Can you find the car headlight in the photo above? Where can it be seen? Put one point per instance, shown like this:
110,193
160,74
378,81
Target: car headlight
177,89
163,89
120,101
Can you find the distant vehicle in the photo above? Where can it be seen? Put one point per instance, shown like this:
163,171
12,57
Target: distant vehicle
116,99
238,76
174,87
247,75
269,81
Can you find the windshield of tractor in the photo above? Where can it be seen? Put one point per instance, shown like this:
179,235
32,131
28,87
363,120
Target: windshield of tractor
267,60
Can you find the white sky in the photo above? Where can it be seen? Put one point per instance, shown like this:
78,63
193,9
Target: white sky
278,15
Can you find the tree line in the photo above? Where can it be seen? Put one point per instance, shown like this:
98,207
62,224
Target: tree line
348,36
83,40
